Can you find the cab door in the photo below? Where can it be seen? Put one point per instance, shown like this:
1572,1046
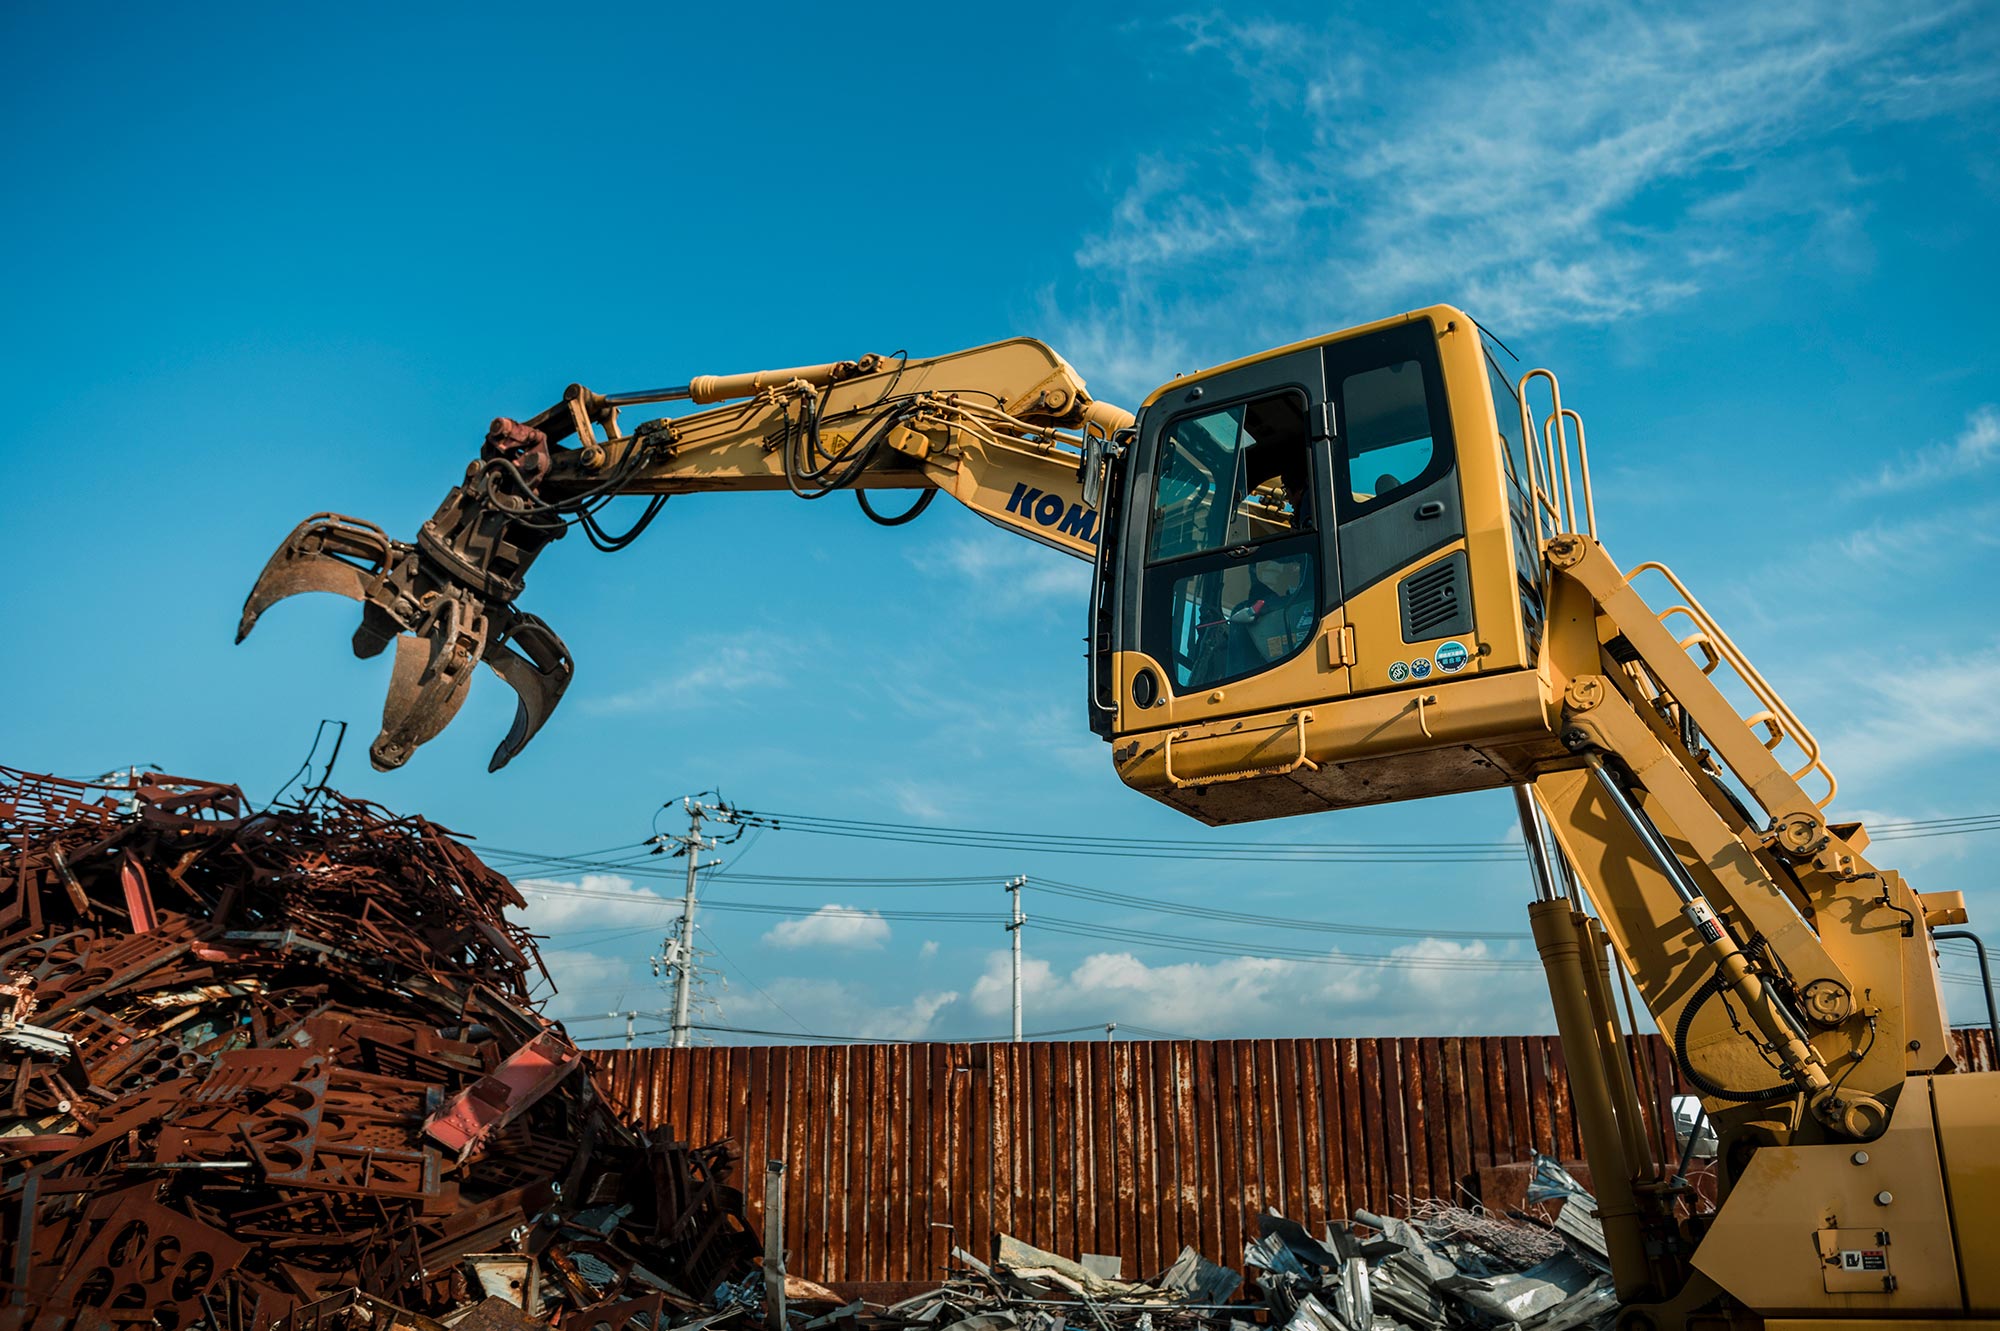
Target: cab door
1230,575
1405,579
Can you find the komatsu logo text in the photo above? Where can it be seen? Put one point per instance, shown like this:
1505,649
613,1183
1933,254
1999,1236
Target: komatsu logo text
1050,511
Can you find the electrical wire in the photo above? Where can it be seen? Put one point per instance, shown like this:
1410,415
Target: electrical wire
731,963
1261,949
1351,852
1154,905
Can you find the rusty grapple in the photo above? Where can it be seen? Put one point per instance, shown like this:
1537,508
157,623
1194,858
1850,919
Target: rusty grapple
447,601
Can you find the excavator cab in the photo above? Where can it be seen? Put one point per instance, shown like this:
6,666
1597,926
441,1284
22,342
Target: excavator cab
1320,584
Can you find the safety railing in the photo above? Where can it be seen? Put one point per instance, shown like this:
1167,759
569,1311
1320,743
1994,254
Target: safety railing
1554,487
1715,649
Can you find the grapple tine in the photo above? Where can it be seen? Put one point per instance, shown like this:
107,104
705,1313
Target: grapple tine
429,681
536,665
328,552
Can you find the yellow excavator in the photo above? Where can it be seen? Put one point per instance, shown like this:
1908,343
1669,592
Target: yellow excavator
1357,569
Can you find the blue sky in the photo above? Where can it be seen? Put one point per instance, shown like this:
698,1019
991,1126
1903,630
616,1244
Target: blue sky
261,264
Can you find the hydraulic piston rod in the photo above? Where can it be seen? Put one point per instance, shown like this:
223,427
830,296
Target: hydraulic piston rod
1780,1027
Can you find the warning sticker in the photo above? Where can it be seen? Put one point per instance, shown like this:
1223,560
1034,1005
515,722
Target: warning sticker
1863,1259
1702,916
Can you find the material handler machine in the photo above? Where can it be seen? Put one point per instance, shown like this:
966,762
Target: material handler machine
1357,569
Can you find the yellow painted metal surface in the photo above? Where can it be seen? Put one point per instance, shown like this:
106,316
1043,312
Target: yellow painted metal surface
1968,1127
1765,1249
1474,732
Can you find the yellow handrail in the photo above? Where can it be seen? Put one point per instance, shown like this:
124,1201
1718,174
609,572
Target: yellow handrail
1550,481
1283,769
1779,720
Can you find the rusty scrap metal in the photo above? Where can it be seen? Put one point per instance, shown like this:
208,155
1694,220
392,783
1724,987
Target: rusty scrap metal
284,1068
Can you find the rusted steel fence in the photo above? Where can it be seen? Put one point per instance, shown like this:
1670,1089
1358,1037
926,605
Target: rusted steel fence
894,1153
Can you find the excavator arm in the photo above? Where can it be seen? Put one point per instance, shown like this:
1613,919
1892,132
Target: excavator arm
1007,429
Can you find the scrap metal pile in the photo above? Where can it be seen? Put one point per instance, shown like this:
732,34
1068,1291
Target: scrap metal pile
1443,1268
258,1067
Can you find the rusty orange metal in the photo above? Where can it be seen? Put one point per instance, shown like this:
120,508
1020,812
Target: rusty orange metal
896,1153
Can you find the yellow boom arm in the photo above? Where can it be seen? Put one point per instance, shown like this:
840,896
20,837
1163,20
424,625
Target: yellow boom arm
1007,429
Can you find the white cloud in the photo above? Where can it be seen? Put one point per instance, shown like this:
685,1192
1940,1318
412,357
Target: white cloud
929,950
599,900
916,801
1976,447
831,926
1430,984
720,668
1010,574
1924,711
1389,178
832,1007
591,984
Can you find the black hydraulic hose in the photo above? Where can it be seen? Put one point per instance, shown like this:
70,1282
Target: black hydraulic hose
1714,985
897,519
1694,1139
1985,979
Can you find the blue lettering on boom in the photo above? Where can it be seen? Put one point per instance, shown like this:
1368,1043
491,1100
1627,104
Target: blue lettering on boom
1048,510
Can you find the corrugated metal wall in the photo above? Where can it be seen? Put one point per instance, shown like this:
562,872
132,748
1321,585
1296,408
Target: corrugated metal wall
894,1153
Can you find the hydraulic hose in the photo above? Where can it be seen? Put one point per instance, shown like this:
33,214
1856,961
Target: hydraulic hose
1714,985
896,519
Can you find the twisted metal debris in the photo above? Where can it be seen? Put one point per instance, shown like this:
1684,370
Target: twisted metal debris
282,1071
261,1069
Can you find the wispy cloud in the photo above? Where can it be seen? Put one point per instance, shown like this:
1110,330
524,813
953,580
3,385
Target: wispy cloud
1918,713
711,669
834,1007
835,926
1008,573
1976,447
1232,994
598,899
1599,162
1890,542
916,801
590,984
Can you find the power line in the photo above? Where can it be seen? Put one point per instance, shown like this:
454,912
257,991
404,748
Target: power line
1154,904
1090,929
1368,960
960,1039
731,963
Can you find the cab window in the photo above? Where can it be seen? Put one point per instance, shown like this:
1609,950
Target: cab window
1233,561
1387,446
1233,476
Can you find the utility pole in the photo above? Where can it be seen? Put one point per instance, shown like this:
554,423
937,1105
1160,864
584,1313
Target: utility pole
681,955
1014,886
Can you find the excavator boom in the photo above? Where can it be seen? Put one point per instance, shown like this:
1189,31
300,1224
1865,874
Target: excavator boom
1006,429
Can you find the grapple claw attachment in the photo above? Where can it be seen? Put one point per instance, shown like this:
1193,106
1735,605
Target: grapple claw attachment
536,665
325,553
445,600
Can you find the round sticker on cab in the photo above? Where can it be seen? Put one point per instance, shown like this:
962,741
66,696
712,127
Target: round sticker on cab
1451,657
1399,671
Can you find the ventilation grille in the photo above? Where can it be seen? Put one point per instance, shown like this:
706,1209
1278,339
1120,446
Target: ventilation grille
1436,600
